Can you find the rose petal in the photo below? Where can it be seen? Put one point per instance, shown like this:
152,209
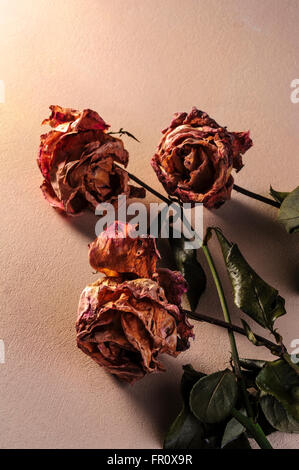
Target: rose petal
67,119
241,143
115,251
50,196
173,283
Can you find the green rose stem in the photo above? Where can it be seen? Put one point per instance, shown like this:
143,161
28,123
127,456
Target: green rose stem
253,428
249,424
234,351
258,197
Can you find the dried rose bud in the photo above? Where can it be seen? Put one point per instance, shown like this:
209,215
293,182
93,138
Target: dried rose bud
116,252
195,158
125,326
77,158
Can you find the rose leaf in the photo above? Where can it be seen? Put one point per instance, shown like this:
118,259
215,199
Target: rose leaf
281,381
277,415
289,211
189,378
213,397
241,442
232,431
252,364
186,432
191,269
250,335
252,294
278,196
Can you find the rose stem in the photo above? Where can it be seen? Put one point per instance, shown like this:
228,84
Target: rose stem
255,430
229,326
149,189
226,314
258,197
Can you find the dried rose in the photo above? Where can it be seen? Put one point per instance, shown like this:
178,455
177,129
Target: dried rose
124,326
127,319
195,158
77,159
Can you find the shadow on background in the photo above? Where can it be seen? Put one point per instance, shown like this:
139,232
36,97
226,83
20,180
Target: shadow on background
158,397
84,223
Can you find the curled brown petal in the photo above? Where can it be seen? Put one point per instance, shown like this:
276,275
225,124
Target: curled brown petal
118,251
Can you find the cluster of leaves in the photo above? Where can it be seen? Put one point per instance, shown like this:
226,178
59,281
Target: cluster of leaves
213,413
288,213
212,405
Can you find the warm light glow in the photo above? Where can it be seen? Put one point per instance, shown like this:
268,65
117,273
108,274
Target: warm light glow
2,92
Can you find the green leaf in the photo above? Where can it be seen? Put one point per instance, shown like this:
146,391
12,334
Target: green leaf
280,380
277,416
191,269
252,294
252,364
232,431
263,421
241,442
213,397
189,378
250,335
186,432
289,211
249,378
252,429
277,195
253,339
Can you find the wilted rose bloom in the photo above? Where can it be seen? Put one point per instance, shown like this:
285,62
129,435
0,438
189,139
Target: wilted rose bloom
126,321
77,158
195,158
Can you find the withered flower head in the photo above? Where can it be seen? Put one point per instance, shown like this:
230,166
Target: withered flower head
116,252
125,320
195,158
77,158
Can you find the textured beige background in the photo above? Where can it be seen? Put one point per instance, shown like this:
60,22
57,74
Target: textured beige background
135,62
